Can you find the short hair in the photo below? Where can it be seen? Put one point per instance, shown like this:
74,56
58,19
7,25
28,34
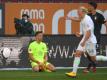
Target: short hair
94,4
83,9
25,15
38,32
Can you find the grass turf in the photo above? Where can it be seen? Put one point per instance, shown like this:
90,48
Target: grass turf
101,74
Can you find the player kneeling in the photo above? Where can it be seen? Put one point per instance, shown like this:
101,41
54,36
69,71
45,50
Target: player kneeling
38,54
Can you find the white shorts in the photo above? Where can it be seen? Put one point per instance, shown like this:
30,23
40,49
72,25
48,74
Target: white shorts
89,47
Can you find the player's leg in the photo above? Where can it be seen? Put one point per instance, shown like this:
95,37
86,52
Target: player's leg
92,54
92,63
76,61
86,70
35,67
93,58
91,49
98,45
50,67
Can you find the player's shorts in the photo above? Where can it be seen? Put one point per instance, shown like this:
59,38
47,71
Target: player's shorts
35,64
89,47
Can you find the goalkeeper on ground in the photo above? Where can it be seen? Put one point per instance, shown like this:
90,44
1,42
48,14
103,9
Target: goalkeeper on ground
38,54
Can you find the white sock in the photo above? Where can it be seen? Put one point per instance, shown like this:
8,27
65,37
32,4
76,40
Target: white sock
76,64
101,58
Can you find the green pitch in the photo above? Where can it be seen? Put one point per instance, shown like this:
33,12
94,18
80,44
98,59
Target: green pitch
101,74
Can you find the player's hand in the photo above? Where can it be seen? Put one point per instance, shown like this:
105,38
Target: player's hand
39,63
42,66
78,34
83,44
71,18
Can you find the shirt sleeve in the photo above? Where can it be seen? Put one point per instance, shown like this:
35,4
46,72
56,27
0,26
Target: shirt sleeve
30,49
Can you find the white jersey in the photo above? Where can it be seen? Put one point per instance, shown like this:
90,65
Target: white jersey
85,25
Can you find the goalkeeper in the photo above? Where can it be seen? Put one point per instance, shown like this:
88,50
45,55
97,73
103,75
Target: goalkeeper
38,54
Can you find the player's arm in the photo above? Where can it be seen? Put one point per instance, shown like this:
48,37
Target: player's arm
78,34
32,58
30,51
87,35
103,21
45,52
45,58
74,19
